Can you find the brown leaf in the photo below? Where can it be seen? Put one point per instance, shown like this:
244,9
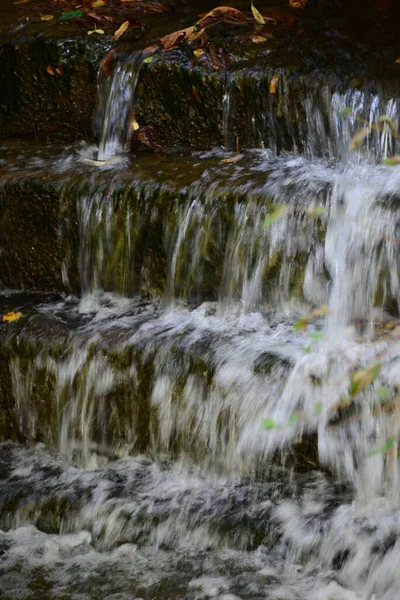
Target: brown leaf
172,39
196,35
107,63
359,137
223,14
50,69
121,30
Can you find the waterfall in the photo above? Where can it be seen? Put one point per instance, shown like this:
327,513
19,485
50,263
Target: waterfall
116,97
211,409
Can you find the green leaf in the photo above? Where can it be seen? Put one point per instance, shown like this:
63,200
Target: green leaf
389,122
313,212
387,445
392,161
275,213
347,111
205,373
307,349
293,418
269,424
304,321
363,378
72,14
382,392
318,408
316,335
148,60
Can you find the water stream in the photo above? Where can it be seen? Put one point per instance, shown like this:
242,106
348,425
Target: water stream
186,439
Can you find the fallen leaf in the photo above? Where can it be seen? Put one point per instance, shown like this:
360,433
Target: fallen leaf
363,378
148,60
297,3
12,316
107,63
99,163
99,31
397,61
196,35
50,69
59,71
72,14
21,2
172,39
257,15
392,161
385,119
121,30
222,14
46,17
232,159
135,125
198,52
358,139
98,3
276,212
305,320
258,39
273,84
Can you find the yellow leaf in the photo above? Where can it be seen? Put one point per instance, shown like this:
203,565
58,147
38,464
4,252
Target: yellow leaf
99,163
99,31
135,125
21,2
12,316
98,3
258,39
198,52
46,17
397,61
297,3
121,30
257,15
273,84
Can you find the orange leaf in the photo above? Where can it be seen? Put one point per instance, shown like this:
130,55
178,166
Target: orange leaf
50,69
121,30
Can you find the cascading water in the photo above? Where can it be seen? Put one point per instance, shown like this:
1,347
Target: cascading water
207,446
116,96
